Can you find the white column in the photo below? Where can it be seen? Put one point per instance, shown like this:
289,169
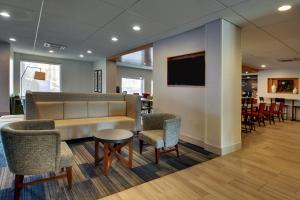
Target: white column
223,87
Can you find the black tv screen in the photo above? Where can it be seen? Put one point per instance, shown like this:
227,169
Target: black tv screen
187,69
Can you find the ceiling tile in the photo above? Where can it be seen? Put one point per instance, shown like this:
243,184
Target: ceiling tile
256,41
26,4
175,12
257,9
124,23
92,12
122,3
101,41
294,43
286,30
231,2
22,22
56,29
279,17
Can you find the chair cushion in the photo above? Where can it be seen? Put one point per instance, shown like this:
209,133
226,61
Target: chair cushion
75,109
153,137
97,109
66,155
50,110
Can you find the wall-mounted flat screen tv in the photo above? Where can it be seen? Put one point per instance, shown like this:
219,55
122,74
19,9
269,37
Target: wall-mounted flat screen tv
187,70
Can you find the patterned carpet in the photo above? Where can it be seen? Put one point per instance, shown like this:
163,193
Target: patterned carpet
89,181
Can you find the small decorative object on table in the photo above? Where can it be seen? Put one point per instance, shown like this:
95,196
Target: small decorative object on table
274,88
295,91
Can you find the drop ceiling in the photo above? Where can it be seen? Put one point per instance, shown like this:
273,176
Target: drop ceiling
267,35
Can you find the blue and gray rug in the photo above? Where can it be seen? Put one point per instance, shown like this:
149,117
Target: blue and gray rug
89,181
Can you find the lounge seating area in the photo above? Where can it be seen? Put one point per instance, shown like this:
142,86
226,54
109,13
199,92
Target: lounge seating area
35,148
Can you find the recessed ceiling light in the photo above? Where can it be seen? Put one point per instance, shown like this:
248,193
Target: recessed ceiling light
89,51
247,72
51,51
114,39
263,66
81,55
284,8
4,14
12,39
136,28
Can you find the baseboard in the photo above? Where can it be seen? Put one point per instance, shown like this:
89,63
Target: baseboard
209,147
192,140
231,148
200,143
214,149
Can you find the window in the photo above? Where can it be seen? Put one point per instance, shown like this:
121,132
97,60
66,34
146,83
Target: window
131,85
141,58
51,82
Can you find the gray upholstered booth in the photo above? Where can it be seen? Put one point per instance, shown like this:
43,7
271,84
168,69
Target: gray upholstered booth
34,147
79,115
162,131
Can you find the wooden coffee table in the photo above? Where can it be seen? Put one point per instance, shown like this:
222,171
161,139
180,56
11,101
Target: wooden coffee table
113,140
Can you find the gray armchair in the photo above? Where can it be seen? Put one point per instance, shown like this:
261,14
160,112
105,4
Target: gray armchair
162,131
33,147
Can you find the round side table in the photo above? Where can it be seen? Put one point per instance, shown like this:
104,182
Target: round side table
113,140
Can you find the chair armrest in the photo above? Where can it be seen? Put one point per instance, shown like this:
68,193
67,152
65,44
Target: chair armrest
7,131
34,125
172,130
31,151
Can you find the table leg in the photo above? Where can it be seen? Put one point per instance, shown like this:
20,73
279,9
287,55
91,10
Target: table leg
130,149
149,107
106,159
96,152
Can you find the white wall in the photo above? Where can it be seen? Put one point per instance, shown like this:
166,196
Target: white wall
262,82
111,77
4,77
185,101
76,76
205,120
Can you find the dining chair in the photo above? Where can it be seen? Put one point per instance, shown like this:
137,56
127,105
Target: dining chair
269,114
279,113
258,115
261,99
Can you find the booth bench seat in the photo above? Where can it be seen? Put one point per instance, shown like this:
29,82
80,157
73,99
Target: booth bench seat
79,115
